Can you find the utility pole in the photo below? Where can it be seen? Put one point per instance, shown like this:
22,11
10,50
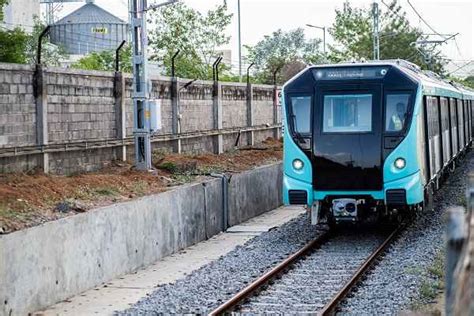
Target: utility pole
240,43
141,84
323,28
375,13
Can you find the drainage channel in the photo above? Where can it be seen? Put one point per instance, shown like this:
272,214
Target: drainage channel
315,279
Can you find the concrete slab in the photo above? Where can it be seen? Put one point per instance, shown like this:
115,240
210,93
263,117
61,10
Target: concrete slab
122,292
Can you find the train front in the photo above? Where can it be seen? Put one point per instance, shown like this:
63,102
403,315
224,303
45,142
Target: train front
350,141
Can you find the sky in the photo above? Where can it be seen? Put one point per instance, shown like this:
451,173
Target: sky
262,17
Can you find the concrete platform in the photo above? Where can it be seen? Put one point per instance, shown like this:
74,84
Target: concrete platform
120,293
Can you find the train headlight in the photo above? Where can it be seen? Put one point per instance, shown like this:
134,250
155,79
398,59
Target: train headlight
298,164
400,163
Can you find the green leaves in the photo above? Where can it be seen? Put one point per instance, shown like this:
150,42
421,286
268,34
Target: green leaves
280,49
105,60
13,44
352,32
17,46
197,36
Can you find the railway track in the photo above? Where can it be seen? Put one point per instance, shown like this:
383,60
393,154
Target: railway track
315,279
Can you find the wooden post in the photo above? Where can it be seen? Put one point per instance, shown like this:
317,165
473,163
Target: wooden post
456,237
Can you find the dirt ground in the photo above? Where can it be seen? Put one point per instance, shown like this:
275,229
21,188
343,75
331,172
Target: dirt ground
31,199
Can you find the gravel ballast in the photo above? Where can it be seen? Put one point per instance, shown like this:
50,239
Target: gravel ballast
395,284
392,286
206,288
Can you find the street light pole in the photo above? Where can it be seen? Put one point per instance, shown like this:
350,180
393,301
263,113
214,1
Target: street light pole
240,44
324,35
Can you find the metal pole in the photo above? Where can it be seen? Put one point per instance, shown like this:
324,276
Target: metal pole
117,56
324,40
323,28
376,40
141,93
40,44
240,44
141,83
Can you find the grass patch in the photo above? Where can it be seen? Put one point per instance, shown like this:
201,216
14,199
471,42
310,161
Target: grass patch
106,191
432,284
169,166
140,188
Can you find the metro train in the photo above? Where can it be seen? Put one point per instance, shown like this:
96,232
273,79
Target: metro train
370,140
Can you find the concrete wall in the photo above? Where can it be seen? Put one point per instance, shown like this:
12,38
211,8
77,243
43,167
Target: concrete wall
42,265
73,107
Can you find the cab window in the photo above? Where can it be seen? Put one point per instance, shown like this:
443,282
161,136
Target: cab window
396,109
301,114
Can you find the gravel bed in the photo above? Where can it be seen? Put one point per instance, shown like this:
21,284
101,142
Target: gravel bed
316,278
392,286
205,289
395,283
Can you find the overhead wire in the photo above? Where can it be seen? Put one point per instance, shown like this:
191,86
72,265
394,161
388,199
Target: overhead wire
423,20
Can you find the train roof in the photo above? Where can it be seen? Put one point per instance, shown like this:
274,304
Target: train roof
432,83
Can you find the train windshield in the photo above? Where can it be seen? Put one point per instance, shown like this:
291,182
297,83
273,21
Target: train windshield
347,113
301,114
396,112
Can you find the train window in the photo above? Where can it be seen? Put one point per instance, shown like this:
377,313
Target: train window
347,113
396,111
301,114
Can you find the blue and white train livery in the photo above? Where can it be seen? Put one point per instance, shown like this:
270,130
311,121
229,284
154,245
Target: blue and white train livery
363,139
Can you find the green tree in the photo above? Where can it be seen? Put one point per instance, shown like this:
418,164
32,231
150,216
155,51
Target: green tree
196,35
105,60
2,4
352,32
17,46
13,46
51,54
280,49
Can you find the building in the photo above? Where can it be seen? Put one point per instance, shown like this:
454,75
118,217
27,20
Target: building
89,29
21,13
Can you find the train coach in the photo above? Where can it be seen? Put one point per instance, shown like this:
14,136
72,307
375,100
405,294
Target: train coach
370,140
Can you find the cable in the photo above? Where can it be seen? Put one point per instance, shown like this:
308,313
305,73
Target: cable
421,18
394,12
461,67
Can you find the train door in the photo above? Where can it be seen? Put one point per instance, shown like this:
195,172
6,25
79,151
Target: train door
433,135
454,127
460,124
444,121
347,144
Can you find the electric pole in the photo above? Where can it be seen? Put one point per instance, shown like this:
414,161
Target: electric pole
141,83
375,13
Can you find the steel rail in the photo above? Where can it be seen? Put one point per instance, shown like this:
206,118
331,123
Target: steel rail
248,291
331,306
